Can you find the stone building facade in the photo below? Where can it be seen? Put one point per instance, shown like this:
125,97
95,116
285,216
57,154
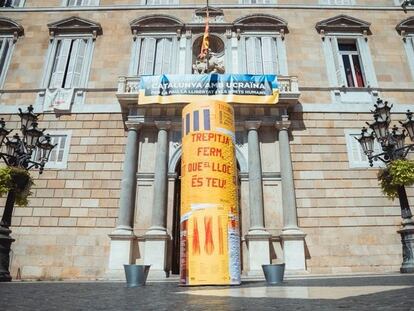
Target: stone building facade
111,192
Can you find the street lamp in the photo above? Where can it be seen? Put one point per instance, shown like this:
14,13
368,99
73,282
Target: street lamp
406,3
18,151
393,146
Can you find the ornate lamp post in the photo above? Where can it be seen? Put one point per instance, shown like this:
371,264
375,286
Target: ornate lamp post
17,152
393,146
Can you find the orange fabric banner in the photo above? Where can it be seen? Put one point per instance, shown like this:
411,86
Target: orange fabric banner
205,44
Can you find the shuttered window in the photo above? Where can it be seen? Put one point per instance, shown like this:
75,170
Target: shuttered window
258,1
68,63
161,2
409,48
260,55
5,50
155,56
59,155
351,63
337,2
82,3
11,3
356,155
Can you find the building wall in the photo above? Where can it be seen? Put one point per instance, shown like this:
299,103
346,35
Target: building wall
350,226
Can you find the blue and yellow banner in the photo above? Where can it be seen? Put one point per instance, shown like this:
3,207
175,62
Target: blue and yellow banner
230,88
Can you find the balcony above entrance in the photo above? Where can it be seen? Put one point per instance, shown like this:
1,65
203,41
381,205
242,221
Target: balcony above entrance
127,92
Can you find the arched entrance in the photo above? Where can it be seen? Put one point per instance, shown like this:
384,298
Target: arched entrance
175,260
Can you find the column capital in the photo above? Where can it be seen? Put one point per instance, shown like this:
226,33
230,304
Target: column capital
163,125
252,125
283,124
133,125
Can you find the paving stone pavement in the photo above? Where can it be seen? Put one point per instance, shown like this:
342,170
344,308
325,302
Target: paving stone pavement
373,292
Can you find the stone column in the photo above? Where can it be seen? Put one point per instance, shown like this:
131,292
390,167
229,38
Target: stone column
293,238
123,237
258,238
157,238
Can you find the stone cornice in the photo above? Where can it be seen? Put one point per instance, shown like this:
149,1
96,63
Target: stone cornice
252,124
163,125
130,125
406,26
192,7
10,27
284,124
74,24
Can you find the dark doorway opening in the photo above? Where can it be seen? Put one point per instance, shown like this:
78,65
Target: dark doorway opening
175,264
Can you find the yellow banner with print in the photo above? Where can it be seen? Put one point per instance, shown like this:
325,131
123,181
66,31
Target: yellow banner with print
210,241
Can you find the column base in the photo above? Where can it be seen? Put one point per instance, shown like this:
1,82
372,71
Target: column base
155,252
407,241
121,248
293,242
258,244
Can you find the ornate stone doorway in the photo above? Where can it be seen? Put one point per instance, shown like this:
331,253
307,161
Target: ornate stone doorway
175,252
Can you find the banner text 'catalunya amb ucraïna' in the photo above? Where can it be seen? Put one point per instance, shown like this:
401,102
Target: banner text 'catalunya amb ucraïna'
230,88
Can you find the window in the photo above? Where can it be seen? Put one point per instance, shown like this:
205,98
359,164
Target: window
351,64
11,3
348,59
59,155
337,2
260,55
9,33
155,56
6,44
406,30
356,156
261,46
160,2
155,46
258,1
68,62
409,48
81,2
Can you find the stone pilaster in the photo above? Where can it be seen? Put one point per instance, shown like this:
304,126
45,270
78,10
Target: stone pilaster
157,238
122,239
258,239
293,238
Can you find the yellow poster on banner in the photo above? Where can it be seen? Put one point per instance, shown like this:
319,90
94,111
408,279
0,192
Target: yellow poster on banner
210,242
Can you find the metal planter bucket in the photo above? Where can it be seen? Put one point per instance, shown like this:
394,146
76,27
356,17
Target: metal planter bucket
274,273
136,275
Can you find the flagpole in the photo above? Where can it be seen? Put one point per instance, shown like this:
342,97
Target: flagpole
208,20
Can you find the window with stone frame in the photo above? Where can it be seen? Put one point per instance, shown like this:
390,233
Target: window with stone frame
155,56
260,55
58,157
80,2
261,45
155,45
348,58
350,62
159,2
69,57
337,2
406,29
11,3
356,156
257,1
69,63
9,33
